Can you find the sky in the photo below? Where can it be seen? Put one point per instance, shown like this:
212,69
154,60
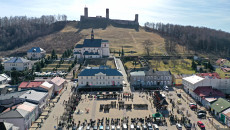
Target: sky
213,14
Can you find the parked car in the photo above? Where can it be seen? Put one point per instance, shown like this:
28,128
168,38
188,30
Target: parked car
113,127
193,107
202,111
107,127
124,127
144,127
192,104
80,128
178,126
138,127
201,125
179,101
150,126
132,127
166,88
88,128
118,127
188,126
101,127
95,127
155,126
201,115
179,95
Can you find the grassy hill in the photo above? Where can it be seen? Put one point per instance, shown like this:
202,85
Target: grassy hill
70,35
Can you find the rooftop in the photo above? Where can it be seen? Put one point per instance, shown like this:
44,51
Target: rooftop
209,75
46,85
193,79
14,113
30,84
92,71
206,91
91,43
137,73
36,50
220,105
58,81
33,95
17,60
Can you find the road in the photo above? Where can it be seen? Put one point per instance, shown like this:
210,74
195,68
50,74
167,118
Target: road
121,68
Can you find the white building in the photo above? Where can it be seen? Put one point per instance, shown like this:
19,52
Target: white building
21,116
92,48
35,97
59,83
18,64
4,79
100,76
36,53
192,82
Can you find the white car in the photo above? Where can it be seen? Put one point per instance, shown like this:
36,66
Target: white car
178,126
155,126
118,127
166,88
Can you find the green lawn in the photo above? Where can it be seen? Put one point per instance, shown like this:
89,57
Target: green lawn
220,72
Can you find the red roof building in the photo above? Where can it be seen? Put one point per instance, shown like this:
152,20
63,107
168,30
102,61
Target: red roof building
29,85
207,91
209,75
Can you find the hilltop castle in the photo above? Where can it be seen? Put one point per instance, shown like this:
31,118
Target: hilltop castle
106,20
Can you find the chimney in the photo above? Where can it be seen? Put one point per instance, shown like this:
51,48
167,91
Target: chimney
136,18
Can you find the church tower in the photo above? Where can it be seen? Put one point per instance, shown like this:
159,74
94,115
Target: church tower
92,35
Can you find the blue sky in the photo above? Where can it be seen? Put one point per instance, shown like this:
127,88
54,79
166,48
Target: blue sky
208,13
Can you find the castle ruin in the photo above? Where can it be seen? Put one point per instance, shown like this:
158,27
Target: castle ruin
106,20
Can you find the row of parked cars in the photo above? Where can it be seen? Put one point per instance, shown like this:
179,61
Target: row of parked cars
148,126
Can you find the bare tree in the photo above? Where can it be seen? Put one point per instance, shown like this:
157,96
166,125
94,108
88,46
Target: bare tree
147,46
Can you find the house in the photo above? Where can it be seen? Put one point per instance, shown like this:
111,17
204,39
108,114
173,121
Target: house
21,116
220,61
6,89
35,97
10,99
59,83
100,76
209,75
177,79
35,85
192,82
92,48
226,72
218,107
17,63
36,53
4,79
205,93
49,87
148,78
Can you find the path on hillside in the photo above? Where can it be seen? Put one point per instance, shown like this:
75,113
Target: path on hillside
70,74
134,40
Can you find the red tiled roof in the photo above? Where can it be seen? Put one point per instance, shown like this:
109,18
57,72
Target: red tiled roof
219,61
207,91
211,75
30,84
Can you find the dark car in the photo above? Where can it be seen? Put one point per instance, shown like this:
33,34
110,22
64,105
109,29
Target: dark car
179,95
202,111
201,115
188,126
193,107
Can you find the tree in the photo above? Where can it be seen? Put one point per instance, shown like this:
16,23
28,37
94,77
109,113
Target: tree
147,46
53,54
122,52
1,67
38,68
194,65
211,68
119,53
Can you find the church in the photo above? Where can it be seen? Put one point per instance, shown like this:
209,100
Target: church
92,48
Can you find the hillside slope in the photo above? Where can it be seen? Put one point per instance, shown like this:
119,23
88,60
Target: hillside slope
70,35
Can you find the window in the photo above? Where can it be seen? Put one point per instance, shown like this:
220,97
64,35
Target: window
86,77
118,77
103,77
81,82
118,83
108,77
113,77
100,77
100,82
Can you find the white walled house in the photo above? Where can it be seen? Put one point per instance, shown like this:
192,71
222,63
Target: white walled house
92,48
59,83
192,82
36,53
100,76
18,64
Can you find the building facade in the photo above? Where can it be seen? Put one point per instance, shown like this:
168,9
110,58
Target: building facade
100,76
92,48
36,53
150,78
17,63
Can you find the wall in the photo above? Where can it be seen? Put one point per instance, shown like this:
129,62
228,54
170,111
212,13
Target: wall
100,80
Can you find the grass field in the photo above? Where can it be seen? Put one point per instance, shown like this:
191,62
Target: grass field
129,64
220,72
63,67
110,63
182,66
